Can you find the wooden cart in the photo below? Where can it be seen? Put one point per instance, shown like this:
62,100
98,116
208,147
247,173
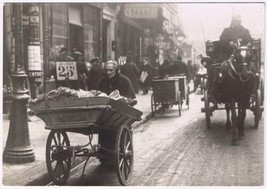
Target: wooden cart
169,91
108,118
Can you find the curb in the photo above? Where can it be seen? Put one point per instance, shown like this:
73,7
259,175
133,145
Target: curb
145,119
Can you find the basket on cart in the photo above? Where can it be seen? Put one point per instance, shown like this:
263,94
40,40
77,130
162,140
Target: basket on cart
108,118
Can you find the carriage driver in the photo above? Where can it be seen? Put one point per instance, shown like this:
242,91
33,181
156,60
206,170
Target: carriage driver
114,80
232,35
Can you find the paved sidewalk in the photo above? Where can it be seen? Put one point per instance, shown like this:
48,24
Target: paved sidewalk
36,172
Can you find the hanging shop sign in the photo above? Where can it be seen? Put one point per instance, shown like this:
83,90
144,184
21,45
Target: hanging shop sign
66,70
168,27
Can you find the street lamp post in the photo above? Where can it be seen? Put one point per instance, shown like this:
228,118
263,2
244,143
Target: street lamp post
18,147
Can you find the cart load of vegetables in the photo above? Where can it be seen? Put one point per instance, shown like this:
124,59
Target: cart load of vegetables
65,92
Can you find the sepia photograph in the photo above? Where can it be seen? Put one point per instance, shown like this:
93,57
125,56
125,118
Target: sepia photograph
133,93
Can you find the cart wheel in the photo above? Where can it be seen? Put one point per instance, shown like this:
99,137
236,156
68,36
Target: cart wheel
180,101
202,86
262,91
153,105
207,109
205,84
124,155
58,157
257,111
187,97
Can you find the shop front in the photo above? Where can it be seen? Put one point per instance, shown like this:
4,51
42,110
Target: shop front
157,29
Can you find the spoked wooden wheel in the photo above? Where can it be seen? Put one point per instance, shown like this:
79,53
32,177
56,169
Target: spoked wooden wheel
257,110
207,109
58,157
124,155
153,105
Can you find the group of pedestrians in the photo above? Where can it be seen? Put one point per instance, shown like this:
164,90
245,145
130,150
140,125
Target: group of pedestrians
177,67
72,71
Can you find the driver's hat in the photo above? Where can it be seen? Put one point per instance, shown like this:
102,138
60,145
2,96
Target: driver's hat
236,17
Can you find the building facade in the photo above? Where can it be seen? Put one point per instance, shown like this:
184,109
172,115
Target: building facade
105,30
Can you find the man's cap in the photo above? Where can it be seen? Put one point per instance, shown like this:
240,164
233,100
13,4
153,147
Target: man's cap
77,53
63,49
95,59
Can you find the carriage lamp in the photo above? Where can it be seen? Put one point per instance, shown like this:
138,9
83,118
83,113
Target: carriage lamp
210,47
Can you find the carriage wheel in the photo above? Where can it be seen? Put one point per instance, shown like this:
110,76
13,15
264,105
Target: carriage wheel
180,101
257,110
262,91
207,109
205,84
124,155
187,97
202,86
58,157
153,105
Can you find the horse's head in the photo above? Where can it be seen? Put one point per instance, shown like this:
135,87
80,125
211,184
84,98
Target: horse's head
242,60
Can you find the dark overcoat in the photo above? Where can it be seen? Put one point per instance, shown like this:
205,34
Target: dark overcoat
131,71
119,82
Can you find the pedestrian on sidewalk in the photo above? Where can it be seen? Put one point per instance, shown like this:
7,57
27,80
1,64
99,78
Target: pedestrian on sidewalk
130,70
96,73
165,68
148,68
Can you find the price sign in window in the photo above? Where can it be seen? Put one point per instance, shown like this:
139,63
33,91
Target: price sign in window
66,70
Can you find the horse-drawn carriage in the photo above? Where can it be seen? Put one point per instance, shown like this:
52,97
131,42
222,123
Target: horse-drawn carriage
234,82
108,118
169,91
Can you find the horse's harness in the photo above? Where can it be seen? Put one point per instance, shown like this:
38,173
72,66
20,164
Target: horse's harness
229,68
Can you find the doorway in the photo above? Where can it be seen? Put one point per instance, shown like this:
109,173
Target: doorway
76,38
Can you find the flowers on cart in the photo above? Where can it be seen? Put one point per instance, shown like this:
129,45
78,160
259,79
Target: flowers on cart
65,92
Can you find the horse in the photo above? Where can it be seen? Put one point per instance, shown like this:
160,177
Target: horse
238,80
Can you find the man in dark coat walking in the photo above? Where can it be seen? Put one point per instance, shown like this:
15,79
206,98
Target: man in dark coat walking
180,68
130,70
114,80
96,73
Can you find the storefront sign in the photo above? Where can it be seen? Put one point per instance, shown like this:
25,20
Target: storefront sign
141,12
168,27
66,70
